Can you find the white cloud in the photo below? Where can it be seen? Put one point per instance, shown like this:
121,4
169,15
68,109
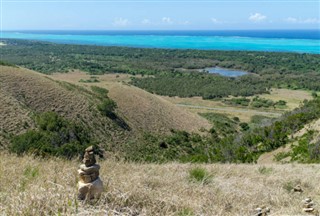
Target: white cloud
311,20
167,20
291,20
121,22
257,17
186,22
216,21
302,21
146,22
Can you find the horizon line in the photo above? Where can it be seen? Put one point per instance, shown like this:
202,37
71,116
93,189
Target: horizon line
267,29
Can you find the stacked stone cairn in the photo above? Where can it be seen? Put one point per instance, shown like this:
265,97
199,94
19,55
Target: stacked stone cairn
308,206
90,185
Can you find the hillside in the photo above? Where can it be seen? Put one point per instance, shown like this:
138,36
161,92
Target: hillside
143,111
48,187
26,92
312,128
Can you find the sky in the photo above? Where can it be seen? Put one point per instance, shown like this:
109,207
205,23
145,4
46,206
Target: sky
159,14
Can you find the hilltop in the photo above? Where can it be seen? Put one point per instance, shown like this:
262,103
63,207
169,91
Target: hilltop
48,187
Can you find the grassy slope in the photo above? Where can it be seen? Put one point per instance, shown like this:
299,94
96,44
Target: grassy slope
143,111
26,92
47,187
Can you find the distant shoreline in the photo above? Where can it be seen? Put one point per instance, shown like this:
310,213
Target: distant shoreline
219,43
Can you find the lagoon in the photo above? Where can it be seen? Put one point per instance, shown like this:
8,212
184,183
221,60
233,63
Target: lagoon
307,41
226,72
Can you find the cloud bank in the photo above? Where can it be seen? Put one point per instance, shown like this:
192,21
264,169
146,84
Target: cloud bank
257,17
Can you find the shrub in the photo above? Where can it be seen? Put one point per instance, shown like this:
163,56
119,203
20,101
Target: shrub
265,170
54,136
244,126
107,107
199,175
101,92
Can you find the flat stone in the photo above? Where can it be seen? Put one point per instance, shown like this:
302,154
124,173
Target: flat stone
308,199
90,169
87,178
308,205
308,209
91,190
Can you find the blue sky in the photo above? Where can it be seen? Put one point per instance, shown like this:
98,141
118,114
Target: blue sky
159,15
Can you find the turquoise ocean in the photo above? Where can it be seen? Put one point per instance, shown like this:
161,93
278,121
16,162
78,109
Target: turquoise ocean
300,41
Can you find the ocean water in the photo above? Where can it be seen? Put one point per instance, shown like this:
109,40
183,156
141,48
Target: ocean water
226,72
301,41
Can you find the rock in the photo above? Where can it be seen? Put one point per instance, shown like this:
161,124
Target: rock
87,177
88,158
308,210
262,211
90,185
90,190
308,199
308,206
90,169
297,189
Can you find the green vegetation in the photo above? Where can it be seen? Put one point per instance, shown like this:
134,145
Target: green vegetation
245,146
208,86
237,101
107,107
287,70
265,170
228,141
54,136
260,121
3,63
93,79
256,102
306,150
199,174
222,124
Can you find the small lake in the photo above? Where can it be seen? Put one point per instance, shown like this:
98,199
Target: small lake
226,72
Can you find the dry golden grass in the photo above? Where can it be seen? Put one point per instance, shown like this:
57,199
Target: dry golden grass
292,97
142,110
23,92
48,187
243,113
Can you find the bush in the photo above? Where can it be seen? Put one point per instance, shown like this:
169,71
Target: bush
101,92
199,175
244,126
107,107
54,136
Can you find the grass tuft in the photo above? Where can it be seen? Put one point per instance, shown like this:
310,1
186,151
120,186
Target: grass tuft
200,175
265,170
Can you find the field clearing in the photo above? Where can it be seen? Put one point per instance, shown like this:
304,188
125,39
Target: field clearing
48,187
292,97
116,81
